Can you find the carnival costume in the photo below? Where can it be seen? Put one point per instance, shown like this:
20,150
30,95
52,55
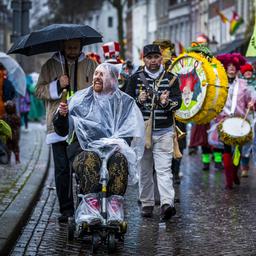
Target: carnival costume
159,122
168,53
236,106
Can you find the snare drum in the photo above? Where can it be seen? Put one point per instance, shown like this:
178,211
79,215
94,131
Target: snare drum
235,131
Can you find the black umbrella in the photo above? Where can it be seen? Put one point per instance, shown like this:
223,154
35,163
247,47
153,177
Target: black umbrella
50,38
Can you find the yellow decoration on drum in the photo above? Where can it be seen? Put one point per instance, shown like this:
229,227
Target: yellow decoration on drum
235,131
204,87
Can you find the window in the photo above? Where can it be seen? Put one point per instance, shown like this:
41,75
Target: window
110,22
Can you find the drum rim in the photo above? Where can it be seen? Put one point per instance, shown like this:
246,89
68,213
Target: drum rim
234,140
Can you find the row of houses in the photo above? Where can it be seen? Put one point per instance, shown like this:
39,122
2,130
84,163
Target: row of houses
181,21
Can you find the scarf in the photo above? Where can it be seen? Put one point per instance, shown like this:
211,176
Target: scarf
156,74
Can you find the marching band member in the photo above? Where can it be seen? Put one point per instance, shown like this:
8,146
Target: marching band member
167,49
237,104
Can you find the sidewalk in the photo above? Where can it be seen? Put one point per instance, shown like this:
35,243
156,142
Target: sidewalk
20,184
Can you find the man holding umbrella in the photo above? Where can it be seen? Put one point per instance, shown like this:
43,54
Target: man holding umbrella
73,71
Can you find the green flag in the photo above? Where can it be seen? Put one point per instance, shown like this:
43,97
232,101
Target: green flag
251,51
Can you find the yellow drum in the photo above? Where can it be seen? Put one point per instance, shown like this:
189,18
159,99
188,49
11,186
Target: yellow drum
204,86
235,131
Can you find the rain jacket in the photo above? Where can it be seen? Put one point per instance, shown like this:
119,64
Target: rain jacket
47,88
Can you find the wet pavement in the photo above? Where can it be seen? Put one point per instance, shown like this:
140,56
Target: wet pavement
14,176
209,221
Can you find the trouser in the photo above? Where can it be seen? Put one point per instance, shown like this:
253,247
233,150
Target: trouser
24,117
160,156
230,170
217,154
176,167
245,159
87,166
206,151
63,177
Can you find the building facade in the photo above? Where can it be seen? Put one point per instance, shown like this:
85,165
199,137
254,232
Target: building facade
5,26
104,20
182,21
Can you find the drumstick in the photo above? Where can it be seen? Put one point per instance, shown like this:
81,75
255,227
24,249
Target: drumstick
246,114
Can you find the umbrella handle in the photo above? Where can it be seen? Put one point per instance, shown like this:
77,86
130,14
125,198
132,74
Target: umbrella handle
62,68
64,96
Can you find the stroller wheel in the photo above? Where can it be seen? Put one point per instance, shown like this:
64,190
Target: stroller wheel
71,229
111,242
95,242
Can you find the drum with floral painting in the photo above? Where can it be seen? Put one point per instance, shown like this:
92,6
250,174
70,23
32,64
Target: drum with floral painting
204,87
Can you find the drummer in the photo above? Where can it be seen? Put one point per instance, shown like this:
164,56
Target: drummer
238,101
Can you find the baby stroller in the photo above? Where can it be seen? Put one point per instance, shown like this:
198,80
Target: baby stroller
97,216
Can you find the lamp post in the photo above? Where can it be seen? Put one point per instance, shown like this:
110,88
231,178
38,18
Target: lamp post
16,19
20,18
25,7
20,21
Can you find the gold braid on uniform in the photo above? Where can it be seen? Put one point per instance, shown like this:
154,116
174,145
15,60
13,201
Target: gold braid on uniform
87,167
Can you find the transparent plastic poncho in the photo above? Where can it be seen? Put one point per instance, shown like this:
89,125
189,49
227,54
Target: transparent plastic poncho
103,120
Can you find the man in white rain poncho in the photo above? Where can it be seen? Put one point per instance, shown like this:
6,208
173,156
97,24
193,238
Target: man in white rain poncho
103,123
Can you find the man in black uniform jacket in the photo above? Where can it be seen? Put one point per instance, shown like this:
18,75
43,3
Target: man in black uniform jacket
153,83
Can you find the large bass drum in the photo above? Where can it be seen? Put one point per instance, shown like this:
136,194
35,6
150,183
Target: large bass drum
204,87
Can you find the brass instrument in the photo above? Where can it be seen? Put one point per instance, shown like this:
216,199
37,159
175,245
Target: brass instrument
180,133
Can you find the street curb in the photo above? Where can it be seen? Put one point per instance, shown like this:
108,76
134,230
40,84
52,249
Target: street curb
17,214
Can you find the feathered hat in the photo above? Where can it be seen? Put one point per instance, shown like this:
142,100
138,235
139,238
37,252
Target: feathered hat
164,44
235,58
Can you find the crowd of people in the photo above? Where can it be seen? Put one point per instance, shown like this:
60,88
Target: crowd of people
131,112
76,128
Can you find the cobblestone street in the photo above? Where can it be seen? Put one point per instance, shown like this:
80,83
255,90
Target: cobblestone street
209,221
12,176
